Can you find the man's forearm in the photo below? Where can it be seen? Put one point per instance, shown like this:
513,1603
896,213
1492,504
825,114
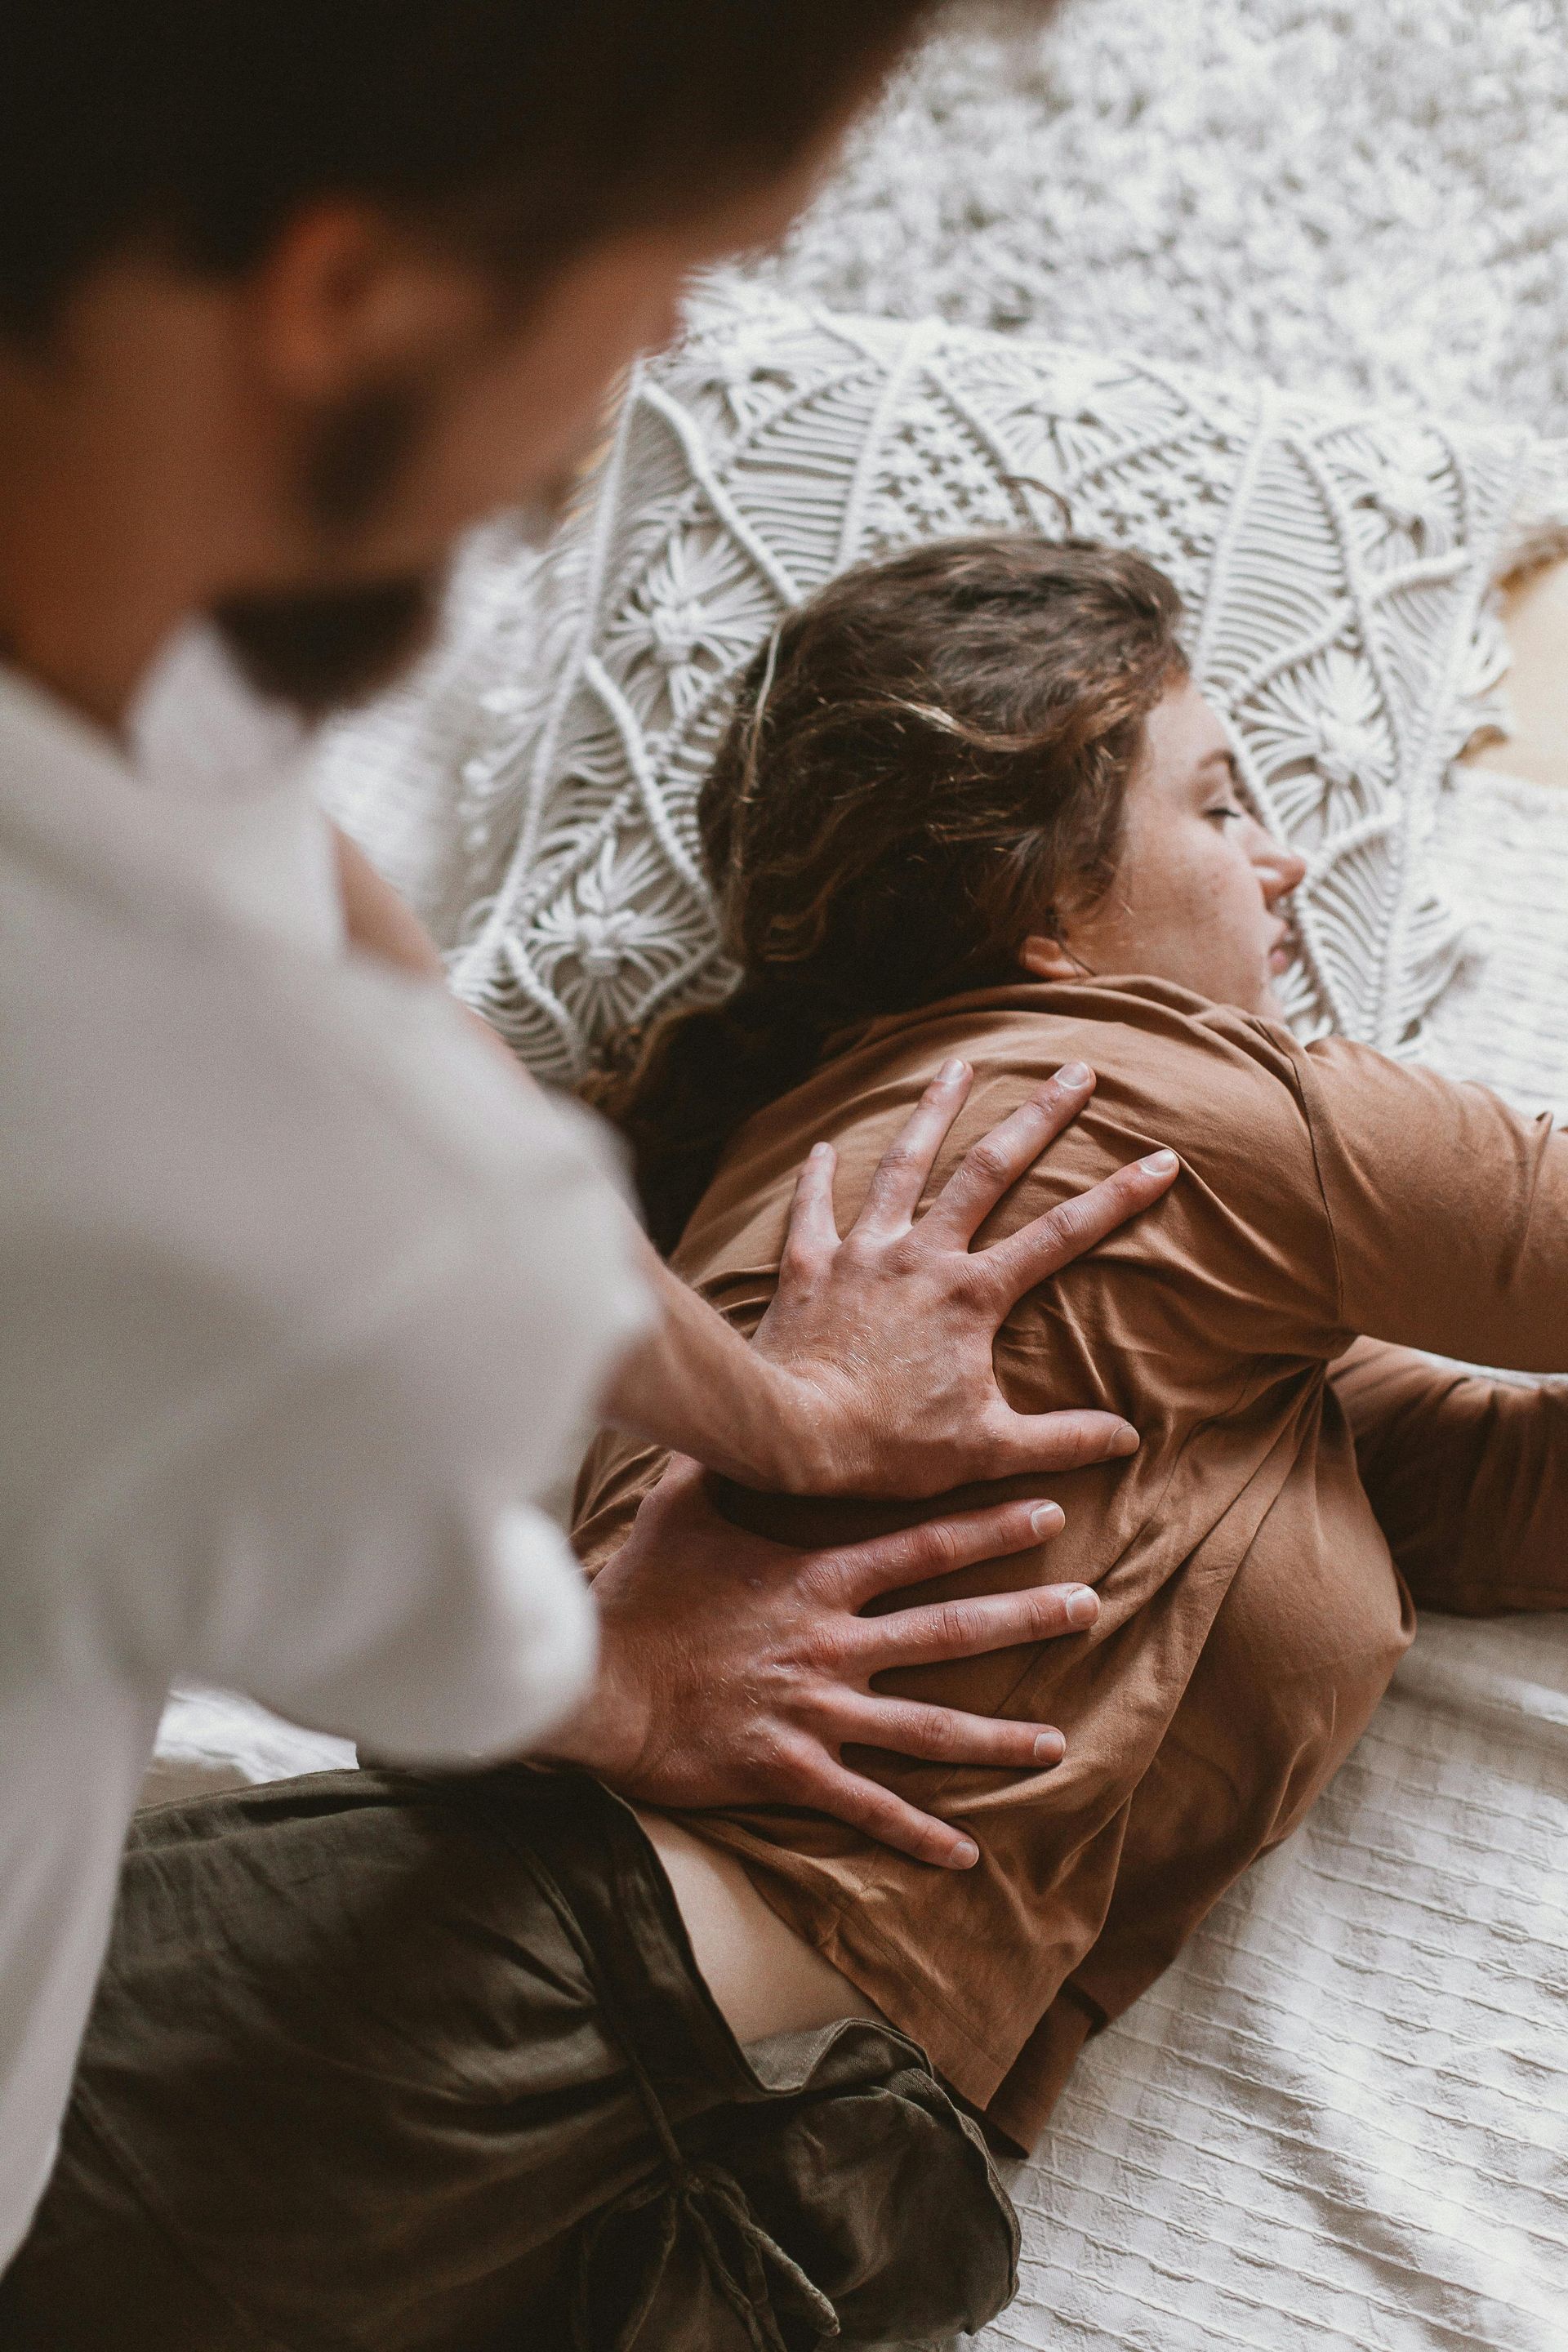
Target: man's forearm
697,1386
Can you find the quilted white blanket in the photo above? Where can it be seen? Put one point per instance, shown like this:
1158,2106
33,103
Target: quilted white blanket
1341,2122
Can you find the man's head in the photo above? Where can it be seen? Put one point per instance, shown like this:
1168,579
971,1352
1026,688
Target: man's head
359,273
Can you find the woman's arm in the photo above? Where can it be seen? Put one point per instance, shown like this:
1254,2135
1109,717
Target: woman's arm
1447,1211
1468,1477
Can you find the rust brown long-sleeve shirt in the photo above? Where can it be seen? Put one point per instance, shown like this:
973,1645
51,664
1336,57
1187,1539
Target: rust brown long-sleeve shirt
1252,1613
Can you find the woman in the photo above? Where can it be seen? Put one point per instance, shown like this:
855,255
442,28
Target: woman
411,2103
972,805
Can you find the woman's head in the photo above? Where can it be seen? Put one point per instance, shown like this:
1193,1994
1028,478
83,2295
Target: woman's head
1199,884
927,762
980,758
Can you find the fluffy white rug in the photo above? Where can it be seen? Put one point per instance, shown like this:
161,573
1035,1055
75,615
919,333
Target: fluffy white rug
1359,195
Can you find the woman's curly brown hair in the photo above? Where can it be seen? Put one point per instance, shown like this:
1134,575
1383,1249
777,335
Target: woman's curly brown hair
925,765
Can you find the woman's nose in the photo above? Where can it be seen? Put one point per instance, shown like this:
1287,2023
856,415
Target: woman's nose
1281,870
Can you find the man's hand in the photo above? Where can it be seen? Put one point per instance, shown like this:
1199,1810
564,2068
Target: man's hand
735,1670
872,1371
885,1337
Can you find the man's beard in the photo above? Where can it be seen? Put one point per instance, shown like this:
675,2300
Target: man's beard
324,650
321,649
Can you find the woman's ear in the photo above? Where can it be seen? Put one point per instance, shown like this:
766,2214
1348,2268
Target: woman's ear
1045,959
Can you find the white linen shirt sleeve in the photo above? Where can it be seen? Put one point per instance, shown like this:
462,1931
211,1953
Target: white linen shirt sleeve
312,1305
303,1297
359,1550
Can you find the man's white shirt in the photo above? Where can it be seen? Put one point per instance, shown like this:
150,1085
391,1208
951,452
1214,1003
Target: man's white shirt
302,1297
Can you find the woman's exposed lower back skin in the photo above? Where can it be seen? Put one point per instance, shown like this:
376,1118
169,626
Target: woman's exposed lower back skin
766,1977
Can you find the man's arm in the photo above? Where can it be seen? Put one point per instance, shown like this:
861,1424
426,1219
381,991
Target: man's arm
1468,1477
377,921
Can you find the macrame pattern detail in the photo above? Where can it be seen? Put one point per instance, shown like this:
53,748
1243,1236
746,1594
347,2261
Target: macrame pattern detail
1336,566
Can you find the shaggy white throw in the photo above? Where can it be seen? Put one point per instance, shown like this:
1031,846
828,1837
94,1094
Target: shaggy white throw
1364,196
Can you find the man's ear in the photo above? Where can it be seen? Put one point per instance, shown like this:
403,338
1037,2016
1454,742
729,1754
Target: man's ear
346,297
1045,959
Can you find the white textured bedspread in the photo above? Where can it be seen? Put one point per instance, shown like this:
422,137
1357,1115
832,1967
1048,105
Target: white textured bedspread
1341,2119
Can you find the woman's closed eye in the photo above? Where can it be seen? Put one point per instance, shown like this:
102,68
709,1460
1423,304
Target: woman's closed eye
1224,813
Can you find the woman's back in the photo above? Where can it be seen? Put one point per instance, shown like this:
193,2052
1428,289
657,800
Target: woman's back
1250,1613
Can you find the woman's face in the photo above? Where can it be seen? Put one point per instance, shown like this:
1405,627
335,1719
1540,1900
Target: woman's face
1199,891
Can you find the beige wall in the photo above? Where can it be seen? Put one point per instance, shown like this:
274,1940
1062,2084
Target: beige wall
1537,622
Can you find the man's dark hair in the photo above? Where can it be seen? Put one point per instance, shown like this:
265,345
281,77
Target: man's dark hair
520,129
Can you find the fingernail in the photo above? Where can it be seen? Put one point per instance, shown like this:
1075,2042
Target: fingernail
819,1152
1074,1075
1082,1607
1048,1518
1160,1163
951,1071
1050,1748
965,1854
1127,1441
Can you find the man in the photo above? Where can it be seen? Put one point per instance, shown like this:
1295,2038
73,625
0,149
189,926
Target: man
303,1293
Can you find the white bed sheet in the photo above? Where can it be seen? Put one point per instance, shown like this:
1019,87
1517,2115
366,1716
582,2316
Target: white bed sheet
1340,2124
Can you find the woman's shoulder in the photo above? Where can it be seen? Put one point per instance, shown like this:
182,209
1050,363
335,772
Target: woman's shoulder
1238,1259
1221,1086
1172,1070
1137,1031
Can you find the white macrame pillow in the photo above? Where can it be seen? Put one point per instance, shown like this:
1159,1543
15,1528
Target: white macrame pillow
1336,567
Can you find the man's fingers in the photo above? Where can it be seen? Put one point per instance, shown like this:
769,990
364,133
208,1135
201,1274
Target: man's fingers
914,1555
971,1629
813,1232
831,1788
1048,1444
1047,1242
905,1166
944,1735
994,1164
